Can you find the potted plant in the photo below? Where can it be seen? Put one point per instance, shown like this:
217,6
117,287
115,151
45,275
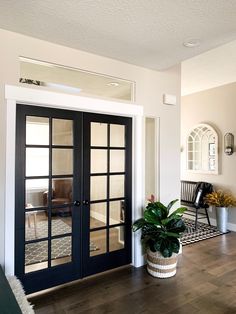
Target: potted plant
222,201
161,230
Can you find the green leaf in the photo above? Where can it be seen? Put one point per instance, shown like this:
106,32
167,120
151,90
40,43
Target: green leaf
176,225
138,224
156,246
175,246
169,246
160,230
158,208
170,205
166,252
165,248
165,221
152,245
178,212
150,230
152,216
172,234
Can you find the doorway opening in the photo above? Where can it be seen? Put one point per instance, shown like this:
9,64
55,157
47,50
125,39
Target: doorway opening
73,195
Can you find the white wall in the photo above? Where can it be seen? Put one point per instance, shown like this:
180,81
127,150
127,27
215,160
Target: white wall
150,86
213,68
216,107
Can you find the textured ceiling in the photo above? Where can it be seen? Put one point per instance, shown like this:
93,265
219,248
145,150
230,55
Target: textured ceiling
147,33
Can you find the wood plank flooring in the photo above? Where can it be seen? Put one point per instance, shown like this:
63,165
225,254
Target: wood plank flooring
205,283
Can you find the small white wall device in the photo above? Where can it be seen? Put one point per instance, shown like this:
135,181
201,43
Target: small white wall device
169,99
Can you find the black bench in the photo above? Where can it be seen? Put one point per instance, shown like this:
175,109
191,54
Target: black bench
8,303
192,195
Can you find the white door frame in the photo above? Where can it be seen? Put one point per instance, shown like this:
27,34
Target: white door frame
36,97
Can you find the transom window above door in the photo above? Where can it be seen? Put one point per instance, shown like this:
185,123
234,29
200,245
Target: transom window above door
73,80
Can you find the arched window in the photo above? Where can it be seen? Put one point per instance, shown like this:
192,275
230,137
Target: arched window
202,149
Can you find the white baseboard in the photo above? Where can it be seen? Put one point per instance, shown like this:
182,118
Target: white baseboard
230,226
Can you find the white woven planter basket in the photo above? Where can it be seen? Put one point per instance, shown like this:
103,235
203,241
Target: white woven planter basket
159,266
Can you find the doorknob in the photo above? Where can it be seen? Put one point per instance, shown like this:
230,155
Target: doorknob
77,203
85,202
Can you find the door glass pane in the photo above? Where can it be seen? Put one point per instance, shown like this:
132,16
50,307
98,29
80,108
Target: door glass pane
117,160
98,215
37,131
116,238
36,256
34,158
117,135
62,161
98,242
61,195
35,267
36,225
61,251
117,183
98,188
98,160
62,132
36,191
98,134
61,260
61,225
117,212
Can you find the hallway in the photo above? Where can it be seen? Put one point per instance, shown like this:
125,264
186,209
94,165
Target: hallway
205,283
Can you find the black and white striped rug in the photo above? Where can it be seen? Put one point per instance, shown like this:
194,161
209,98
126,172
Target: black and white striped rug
203,232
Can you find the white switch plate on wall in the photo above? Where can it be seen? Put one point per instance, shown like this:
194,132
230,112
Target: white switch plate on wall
169,99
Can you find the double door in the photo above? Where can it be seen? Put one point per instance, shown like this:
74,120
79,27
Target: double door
73,195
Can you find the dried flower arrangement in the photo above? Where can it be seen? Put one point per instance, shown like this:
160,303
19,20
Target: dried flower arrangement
220,199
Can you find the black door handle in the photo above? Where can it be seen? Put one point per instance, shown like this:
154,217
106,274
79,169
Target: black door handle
85,202
77,203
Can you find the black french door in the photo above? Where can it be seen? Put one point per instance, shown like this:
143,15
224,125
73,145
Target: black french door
73,195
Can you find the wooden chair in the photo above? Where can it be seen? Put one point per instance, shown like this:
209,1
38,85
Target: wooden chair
192,196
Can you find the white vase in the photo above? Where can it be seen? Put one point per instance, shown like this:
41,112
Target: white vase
222,218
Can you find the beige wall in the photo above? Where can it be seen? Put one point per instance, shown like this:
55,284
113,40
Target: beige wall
150,150
211,69
217,107
150,86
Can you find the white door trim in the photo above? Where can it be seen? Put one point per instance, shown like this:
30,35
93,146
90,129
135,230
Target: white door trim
35,97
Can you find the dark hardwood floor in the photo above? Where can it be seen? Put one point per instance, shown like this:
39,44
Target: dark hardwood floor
205,283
